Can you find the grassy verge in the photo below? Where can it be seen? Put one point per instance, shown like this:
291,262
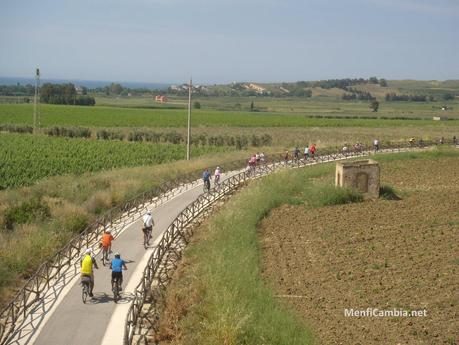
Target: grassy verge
219,296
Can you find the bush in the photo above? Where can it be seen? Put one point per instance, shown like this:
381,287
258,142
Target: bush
76,223
255,140
388,193
33,210
77,132
266,140
330,195
16,129
173,137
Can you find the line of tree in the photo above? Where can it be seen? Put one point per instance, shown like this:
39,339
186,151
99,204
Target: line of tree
63,94
357,95
393,97
17,90
340,83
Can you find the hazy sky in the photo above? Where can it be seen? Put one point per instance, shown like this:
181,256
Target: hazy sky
229,40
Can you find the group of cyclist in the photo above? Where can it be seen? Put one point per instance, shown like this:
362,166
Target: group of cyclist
206,177
88,261
308,152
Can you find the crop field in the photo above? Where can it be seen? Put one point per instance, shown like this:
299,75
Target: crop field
28,158
52,115
385,254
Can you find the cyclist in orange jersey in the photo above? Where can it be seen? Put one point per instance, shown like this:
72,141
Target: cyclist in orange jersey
107,239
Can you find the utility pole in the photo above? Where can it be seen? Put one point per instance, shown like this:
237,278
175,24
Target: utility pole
188,140
36,100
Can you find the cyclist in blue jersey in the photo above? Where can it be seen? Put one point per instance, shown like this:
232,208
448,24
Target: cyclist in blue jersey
206,178
117,265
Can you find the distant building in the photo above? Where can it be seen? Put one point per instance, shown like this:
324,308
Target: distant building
257,88
79,89
160,99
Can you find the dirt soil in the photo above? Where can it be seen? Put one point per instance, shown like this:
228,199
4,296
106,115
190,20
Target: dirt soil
381,254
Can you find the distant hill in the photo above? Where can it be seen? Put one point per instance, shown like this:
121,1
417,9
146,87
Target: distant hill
338,87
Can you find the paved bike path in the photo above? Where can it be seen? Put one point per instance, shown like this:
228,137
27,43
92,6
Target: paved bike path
73,322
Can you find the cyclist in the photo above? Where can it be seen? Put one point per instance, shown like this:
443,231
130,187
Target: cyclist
253,162
106,242
206,178
286,157
117,265
376,145
312,150
306,153
88,263
296,153
148,226
217,175
262,157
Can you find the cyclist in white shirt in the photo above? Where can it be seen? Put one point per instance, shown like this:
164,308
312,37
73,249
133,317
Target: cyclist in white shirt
147,226
217,175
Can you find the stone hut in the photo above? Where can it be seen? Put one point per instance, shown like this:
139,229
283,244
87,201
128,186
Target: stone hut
362,175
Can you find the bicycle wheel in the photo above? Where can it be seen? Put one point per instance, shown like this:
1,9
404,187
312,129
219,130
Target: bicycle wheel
85,292
116,290
145,239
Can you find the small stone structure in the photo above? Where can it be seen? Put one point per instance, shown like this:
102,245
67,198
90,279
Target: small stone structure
362,175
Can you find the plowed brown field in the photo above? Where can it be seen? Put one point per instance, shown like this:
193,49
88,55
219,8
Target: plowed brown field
383,254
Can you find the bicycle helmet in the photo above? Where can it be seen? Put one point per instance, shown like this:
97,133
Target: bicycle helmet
88,251
117,255
149,212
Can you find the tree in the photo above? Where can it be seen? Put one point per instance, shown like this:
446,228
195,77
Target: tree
373,80
116,89
374,105
383,82
448,97
197,105
252,106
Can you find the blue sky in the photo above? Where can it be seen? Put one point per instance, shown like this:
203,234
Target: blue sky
218,41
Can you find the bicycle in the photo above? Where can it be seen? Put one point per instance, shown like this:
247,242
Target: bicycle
206,187
85,288
116,287
217,182
105,255
146,237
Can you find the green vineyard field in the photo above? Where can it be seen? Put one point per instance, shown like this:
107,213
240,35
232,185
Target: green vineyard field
27,158
101,116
